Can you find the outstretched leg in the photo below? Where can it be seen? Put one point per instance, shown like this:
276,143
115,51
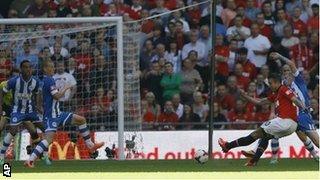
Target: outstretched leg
80,121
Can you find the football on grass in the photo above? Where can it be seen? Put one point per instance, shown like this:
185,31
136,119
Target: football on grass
201,156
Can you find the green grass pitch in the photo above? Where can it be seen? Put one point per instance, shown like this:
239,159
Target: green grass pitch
165,166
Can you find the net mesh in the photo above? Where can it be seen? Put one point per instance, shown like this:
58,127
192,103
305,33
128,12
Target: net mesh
85,56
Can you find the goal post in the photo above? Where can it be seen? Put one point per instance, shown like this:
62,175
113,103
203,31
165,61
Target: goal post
120,73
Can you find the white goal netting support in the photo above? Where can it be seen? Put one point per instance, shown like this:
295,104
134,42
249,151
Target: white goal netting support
98,56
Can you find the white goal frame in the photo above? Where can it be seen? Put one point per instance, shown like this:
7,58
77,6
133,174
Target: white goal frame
120,72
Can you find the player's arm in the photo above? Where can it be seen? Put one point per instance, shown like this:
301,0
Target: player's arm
59,94
276,56
298,103
255,101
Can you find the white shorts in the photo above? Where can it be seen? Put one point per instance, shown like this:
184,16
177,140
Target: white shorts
279,127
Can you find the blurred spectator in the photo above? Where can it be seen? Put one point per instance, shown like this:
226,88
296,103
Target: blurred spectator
258,46
233,48
174,56
199,106
265,30
288,39
146,55
239,115
170,82
57,50
190,81
158,36
179,36
306,11
221,57
176,16
299,27
263,114
238,31
160,52
19,8
38,9
228,13
268,15
249,69
205,37
5,64
194,15
63,10
102,101
251,11
101,74
301,54
313,22
291,5
12,13
154,76
168,116
225,100
241,12
177,106
147,24
232,86
218,117
252,92
62,79
242,78
152,109
26,55
159,9
280,23
189,117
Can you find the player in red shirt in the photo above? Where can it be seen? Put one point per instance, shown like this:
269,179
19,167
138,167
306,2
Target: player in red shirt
283,125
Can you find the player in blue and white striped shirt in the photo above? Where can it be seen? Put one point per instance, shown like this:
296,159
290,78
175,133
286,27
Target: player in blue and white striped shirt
25,89
53,117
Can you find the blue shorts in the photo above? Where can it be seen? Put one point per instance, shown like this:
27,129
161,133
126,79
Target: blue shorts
17,118
305,122
52,124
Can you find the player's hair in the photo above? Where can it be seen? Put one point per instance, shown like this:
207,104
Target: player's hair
24,61
275,77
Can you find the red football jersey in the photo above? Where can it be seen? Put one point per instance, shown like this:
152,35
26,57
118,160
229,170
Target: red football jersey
284,106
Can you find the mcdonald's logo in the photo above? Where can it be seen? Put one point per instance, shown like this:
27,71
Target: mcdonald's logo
62,152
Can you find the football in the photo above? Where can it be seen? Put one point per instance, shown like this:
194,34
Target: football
201,156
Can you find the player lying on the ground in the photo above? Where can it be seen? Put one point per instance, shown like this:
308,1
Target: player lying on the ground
53,117
283,125
294,80
25,89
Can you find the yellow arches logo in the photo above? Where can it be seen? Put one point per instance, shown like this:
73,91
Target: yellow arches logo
62,152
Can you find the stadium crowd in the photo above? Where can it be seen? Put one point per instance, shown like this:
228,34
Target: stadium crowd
175,57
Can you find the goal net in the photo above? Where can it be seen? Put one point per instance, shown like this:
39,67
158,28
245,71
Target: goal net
99,57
